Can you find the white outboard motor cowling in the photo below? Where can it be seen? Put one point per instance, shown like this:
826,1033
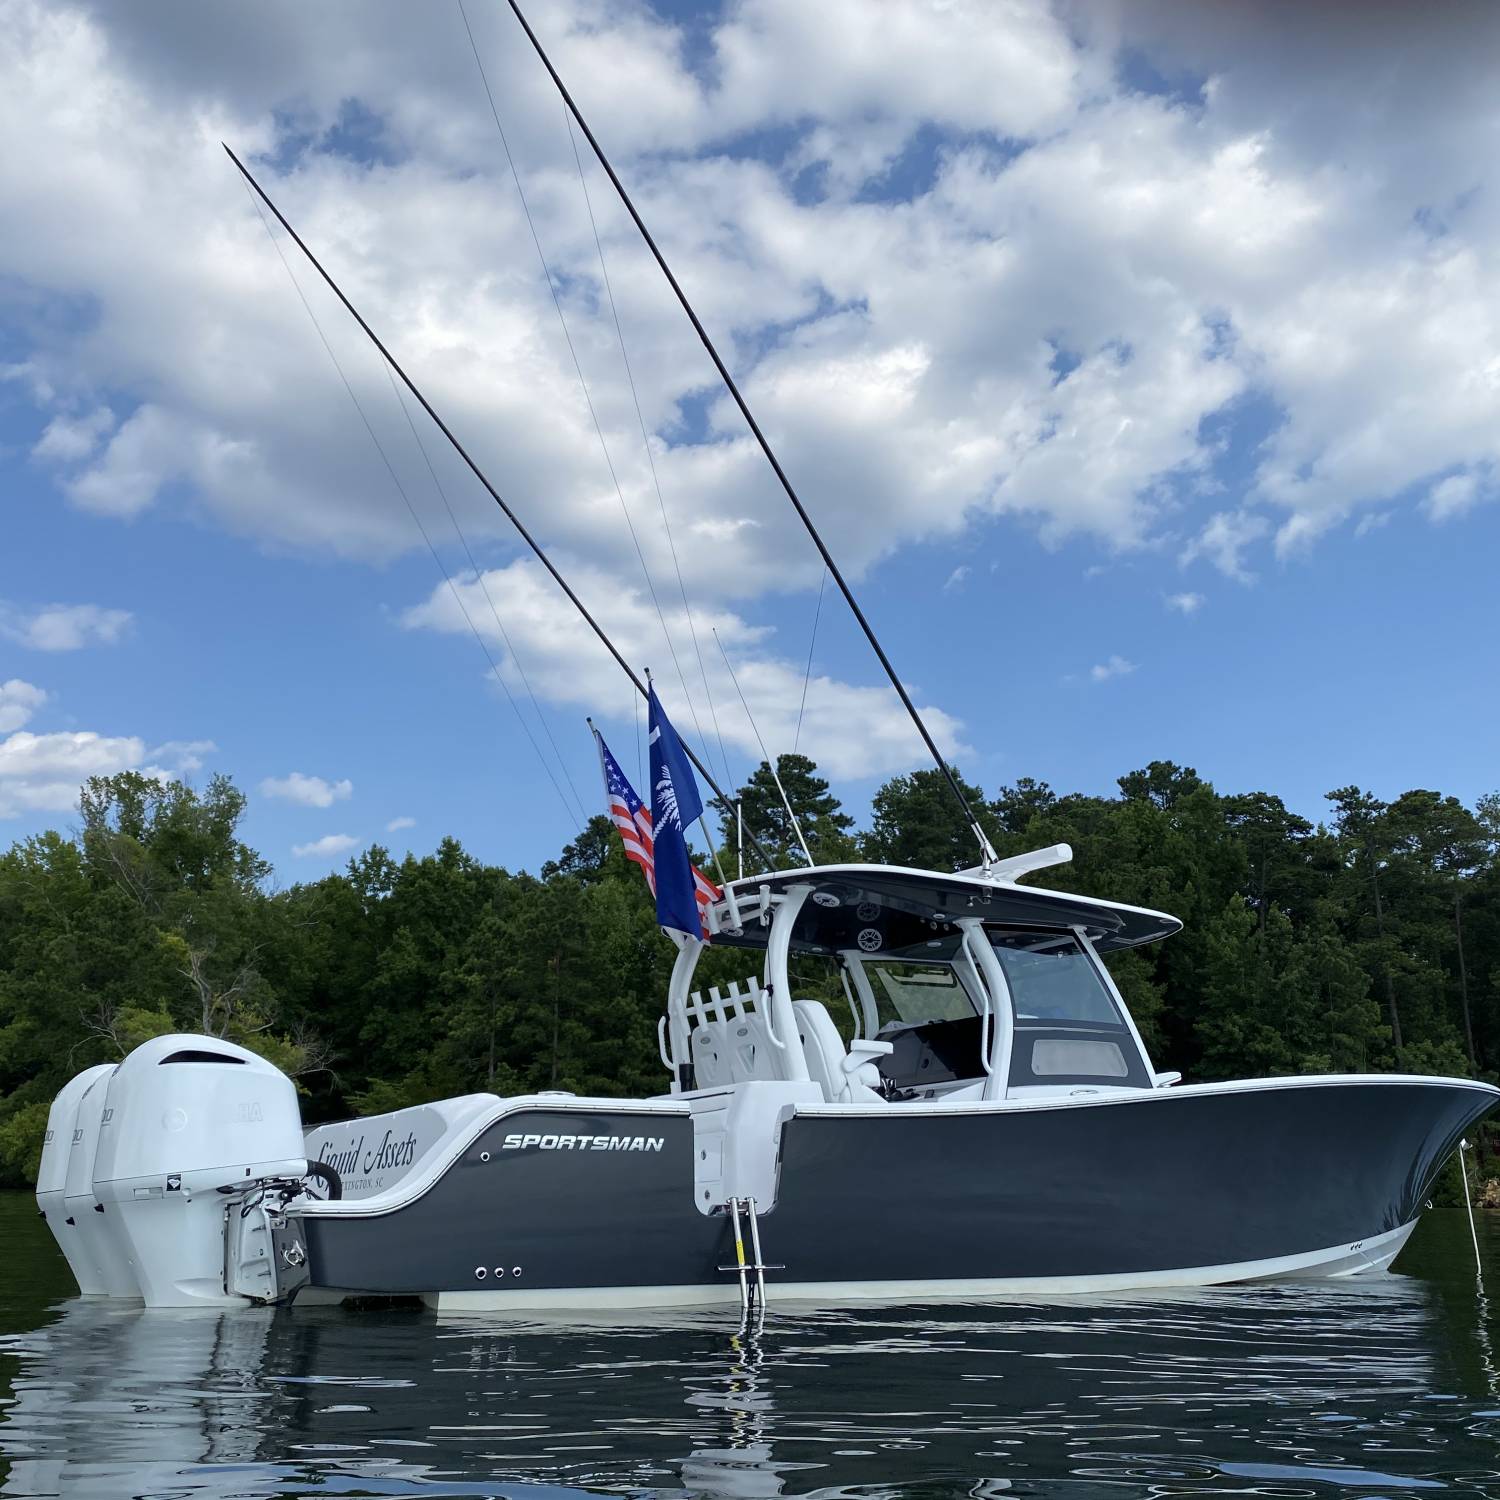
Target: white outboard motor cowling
84,1211
186,1116
63,1137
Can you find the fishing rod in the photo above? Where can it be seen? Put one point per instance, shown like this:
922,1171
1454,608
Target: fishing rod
986,848
479,474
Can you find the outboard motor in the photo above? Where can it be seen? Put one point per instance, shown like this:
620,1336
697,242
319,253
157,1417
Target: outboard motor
85,1214
188,1120
63,1138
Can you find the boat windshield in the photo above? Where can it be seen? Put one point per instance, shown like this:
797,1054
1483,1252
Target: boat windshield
1052,979
910,992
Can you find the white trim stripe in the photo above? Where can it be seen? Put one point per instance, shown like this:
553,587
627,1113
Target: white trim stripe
1363,1257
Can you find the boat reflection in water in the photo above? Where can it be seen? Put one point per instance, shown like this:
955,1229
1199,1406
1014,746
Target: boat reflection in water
111,1400
1364,1383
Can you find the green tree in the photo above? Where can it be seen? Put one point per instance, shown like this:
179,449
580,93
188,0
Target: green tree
1364,836
1440,846
1016,806
917,822
819,815
396,982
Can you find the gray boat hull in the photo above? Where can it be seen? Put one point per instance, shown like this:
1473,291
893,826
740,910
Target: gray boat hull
1189,1186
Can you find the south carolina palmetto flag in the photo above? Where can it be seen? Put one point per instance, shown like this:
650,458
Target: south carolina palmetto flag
635,823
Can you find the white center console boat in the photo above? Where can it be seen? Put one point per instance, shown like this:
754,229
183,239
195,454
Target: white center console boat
967,1111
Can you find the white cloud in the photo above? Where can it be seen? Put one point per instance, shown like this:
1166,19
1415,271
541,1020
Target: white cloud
1372,520
327,847
397,824
182,756
18,702
1223,542
308,791
957,578
1453,496
64,627
850,730
43,772
1116,666
1185,604
69,439
1071,285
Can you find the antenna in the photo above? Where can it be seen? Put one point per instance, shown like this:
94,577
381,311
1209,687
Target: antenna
986,848
771,764
478,473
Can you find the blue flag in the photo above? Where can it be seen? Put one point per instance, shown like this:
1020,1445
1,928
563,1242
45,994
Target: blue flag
674,804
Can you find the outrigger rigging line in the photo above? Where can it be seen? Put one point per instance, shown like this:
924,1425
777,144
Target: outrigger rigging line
986,848
479,474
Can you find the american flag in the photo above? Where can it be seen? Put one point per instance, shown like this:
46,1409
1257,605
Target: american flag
633,818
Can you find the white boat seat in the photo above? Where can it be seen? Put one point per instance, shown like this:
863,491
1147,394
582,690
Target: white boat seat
845,1074
734,1050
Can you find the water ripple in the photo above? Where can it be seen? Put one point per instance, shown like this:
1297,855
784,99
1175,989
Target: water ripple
1377,1389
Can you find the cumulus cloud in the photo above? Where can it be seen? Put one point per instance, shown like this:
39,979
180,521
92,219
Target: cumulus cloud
327,847
43,772
63,627
18,702
1224,540
1453,496
307,791
850,730
1116,666
397,824
1185,604
971,268
181,757
71,439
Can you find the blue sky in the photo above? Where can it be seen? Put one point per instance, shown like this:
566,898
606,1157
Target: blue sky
1154,417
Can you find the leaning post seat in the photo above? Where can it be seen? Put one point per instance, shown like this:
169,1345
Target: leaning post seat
845,1074
733,1039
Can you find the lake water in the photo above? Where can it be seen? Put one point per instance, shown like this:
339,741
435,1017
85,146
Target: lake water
1367,1389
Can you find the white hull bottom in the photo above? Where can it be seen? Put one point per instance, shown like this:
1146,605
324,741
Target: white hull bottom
1361,1258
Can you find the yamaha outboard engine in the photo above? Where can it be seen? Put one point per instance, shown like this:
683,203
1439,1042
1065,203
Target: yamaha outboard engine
65,1138
84,1210
187,1121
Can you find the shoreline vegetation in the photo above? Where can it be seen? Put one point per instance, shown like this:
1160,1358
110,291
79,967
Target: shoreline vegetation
1369,942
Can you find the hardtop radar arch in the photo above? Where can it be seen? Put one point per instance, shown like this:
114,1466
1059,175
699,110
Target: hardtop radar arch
901,906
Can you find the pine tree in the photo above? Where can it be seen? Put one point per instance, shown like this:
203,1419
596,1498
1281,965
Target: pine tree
820,816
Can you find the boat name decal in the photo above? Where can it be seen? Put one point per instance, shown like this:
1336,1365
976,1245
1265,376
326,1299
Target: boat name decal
391,1152
584,1142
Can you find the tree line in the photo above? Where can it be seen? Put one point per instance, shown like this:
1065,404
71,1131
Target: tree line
1369,941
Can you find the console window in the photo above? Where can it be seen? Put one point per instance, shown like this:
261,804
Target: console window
1052,979
909,993
1077,1057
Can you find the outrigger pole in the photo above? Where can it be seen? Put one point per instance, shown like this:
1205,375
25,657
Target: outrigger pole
986,848
479,474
